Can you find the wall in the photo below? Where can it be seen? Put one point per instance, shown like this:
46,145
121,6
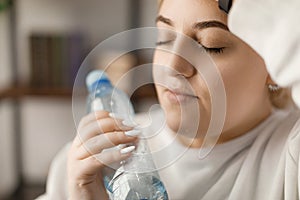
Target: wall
47,125
149,12
8,174
5,59
8,178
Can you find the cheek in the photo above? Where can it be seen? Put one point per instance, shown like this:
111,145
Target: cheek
159,90
158,62
242,69
158,57
244,76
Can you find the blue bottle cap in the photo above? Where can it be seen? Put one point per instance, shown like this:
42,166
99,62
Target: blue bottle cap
96,77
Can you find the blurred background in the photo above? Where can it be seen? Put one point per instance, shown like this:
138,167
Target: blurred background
42,44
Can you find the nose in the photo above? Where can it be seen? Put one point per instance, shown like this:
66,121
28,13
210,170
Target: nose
179,66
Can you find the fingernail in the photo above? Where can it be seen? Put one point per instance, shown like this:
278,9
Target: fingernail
121,146
127,150
116,116
132,133
129,123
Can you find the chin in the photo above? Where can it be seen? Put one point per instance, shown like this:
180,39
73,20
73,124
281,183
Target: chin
182,117
173,121
186,125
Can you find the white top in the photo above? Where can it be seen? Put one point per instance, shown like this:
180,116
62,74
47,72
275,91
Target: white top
263,164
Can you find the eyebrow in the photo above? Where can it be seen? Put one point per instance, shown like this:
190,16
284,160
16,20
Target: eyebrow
163,19
209,24
198,25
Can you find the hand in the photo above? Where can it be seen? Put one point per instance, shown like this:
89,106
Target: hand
86,159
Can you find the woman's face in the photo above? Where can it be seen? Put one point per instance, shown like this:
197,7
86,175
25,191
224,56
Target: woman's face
242,70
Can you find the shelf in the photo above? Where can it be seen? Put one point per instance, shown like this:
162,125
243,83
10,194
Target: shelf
147,91
20,92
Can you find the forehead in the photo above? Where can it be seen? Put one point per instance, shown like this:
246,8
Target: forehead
190,11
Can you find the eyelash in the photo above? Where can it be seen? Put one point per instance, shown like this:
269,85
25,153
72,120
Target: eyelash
160,43
214,50
208,50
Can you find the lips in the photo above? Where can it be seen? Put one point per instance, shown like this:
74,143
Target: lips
177,96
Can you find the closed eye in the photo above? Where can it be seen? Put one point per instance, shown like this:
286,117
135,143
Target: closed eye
214,50
160,43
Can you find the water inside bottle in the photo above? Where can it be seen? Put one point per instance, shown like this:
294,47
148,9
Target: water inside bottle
144,188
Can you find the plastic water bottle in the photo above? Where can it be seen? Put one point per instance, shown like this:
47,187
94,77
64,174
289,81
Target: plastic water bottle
135,178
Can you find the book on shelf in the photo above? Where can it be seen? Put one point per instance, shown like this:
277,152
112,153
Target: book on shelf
76,57
55,59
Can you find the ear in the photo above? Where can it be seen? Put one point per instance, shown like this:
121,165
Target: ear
269,81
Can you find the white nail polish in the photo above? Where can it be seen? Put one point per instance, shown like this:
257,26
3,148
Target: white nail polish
129,123
127,150
116,116
121,146
133,133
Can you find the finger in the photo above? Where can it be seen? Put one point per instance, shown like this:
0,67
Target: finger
98,143
93,117
99,127
107,158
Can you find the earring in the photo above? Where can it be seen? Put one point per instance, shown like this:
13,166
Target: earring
273,88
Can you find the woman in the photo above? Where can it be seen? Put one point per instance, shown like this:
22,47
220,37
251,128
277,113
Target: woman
257,153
